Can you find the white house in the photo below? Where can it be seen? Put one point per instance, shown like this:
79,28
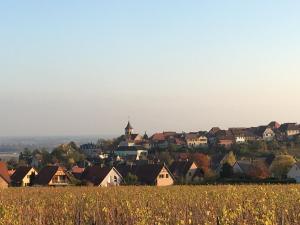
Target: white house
294,172
137,152
196,139
268,134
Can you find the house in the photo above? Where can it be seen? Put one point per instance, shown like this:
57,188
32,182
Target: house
77,171
225,138
238,134
91,149
11,172
196,139
218,160
148,174
212,139
294,172
243,167
289,130
274,125
264,132
188,171
23,176
4,176
102,176
52,176
158,140
136,152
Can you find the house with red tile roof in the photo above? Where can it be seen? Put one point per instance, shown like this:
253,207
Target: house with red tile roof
4,176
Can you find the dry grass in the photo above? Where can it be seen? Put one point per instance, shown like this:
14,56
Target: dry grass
274,204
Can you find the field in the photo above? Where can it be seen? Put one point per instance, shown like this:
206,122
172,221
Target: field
274,204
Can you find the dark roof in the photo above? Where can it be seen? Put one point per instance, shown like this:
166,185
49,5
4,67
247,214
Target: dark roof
130,148
88,146
214,130
128,127
224,135
20,173
288,126
4,172
245,166
95,174
146,174
180,168
145,136
238,131
45,175
259,131
198,173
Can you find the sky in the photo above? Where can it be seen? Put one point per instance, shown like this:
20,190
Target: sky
84,67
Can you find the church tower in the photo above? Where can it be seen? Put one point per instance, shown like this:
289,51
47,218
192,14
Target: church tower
128,129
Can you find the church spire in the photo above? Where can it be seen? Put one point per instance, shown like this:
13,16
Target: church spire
128,129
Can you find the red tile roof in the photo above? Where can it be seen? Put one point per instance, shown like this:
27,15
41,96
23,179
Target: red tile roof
158,137
4,172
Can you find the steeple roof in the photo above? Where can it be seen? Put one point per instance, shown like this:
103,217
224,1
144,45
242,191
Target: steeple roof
128,127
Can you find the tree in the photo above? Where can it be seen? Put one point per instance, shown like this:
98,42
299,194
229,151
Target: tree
202,161
226,171
131,179
26,156
12,164
259,171
229,159
165,157
281,164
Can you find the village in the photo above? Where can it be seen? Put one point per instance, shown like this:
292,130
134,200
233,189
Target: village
264,154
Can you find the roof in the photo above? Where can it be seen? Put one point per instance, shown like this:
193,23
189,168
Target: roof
96,174
245,166
77,169
89,146
146,174
128,127
145,136
274,125
45,175
4,172
180,168
288,126
20,173
198,173
131,148
224,135
259,131
178,141
158,137
134,136
214,130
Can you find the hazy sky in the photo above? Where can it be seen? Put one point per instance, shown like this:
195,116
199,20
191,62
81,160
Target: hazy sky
82,67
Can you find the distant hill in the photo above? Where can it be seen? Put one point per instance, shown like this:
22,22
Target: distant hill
17,144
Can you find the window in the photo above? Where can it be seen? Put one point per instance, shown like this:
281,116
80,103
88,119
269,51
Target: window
167,175
190,174
161,176
115,179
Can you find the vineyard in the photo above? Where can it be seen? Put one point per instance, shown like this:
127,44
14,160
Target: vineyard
274,204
